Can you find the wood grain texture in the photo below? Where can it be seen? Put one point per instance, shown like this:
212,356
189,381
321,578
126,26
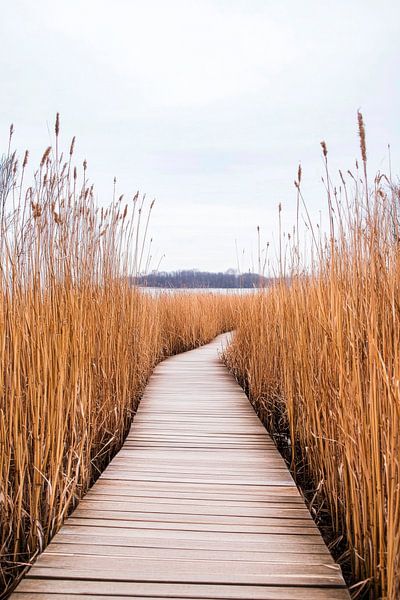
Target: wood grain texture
198,504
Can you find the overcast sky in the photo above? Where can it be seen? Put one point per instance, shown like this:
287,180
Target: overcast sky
207,106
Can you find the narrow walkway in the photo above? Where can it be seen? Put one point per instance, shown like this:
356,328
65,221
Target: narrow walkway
197,504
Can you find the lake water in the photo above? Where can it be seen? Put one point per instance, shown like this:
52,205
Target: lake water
154,291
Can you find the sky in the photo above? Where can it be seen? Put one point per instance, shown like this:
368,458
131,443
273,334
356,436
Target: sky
207,106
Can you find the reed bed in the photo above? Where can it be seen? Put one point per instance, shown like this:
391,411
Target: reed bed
77,342
319,353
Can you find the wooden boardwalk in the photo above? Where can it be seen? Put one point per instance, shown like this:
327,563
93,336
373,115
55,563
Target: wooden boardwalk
197,504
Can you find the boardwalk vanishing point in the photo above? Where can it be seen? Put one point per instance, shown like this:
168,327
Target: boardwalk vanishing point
198,503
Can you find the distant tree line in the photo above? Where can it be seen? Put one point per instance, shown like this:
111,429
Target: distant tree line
201,279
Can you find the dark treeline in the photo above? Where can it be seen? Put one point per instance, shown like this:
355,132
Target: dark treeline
201,279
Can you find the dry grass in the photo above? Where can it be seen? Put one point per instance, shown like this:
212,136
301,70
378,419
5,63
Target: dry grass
320,356
77,344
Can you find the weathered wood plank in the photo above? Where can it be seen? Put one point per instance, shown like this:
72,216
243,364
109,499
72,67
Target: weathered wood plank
188,553
197,518
147,498
192,508
181,572
193,526
119,589
251,540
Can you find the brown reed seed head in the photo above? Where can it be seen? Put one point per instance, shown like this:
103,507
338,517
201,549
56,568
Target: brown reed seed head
25,162
324,148
57,126
57,218
71,149
36,210
361,133
45,156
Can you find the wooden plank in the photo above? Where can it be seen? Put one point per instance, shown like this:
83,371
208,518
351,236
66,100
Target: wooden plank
147,497
207,495
192,508
185,466
187,572
246,539
160,568
145,488
279,528
198,504
29,596
188,553
276,544
171,590
188,517
127,476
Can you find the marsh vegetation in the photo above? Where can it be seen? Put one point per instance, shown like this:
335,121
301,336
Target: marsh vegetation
319,356
78,342
317,352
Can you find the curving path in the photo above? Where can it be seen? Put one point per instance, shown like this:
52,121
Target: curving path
197,504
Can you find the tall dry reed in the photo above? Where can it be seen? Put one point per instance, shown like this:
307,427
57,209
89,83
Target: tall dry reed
77,342
320,355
